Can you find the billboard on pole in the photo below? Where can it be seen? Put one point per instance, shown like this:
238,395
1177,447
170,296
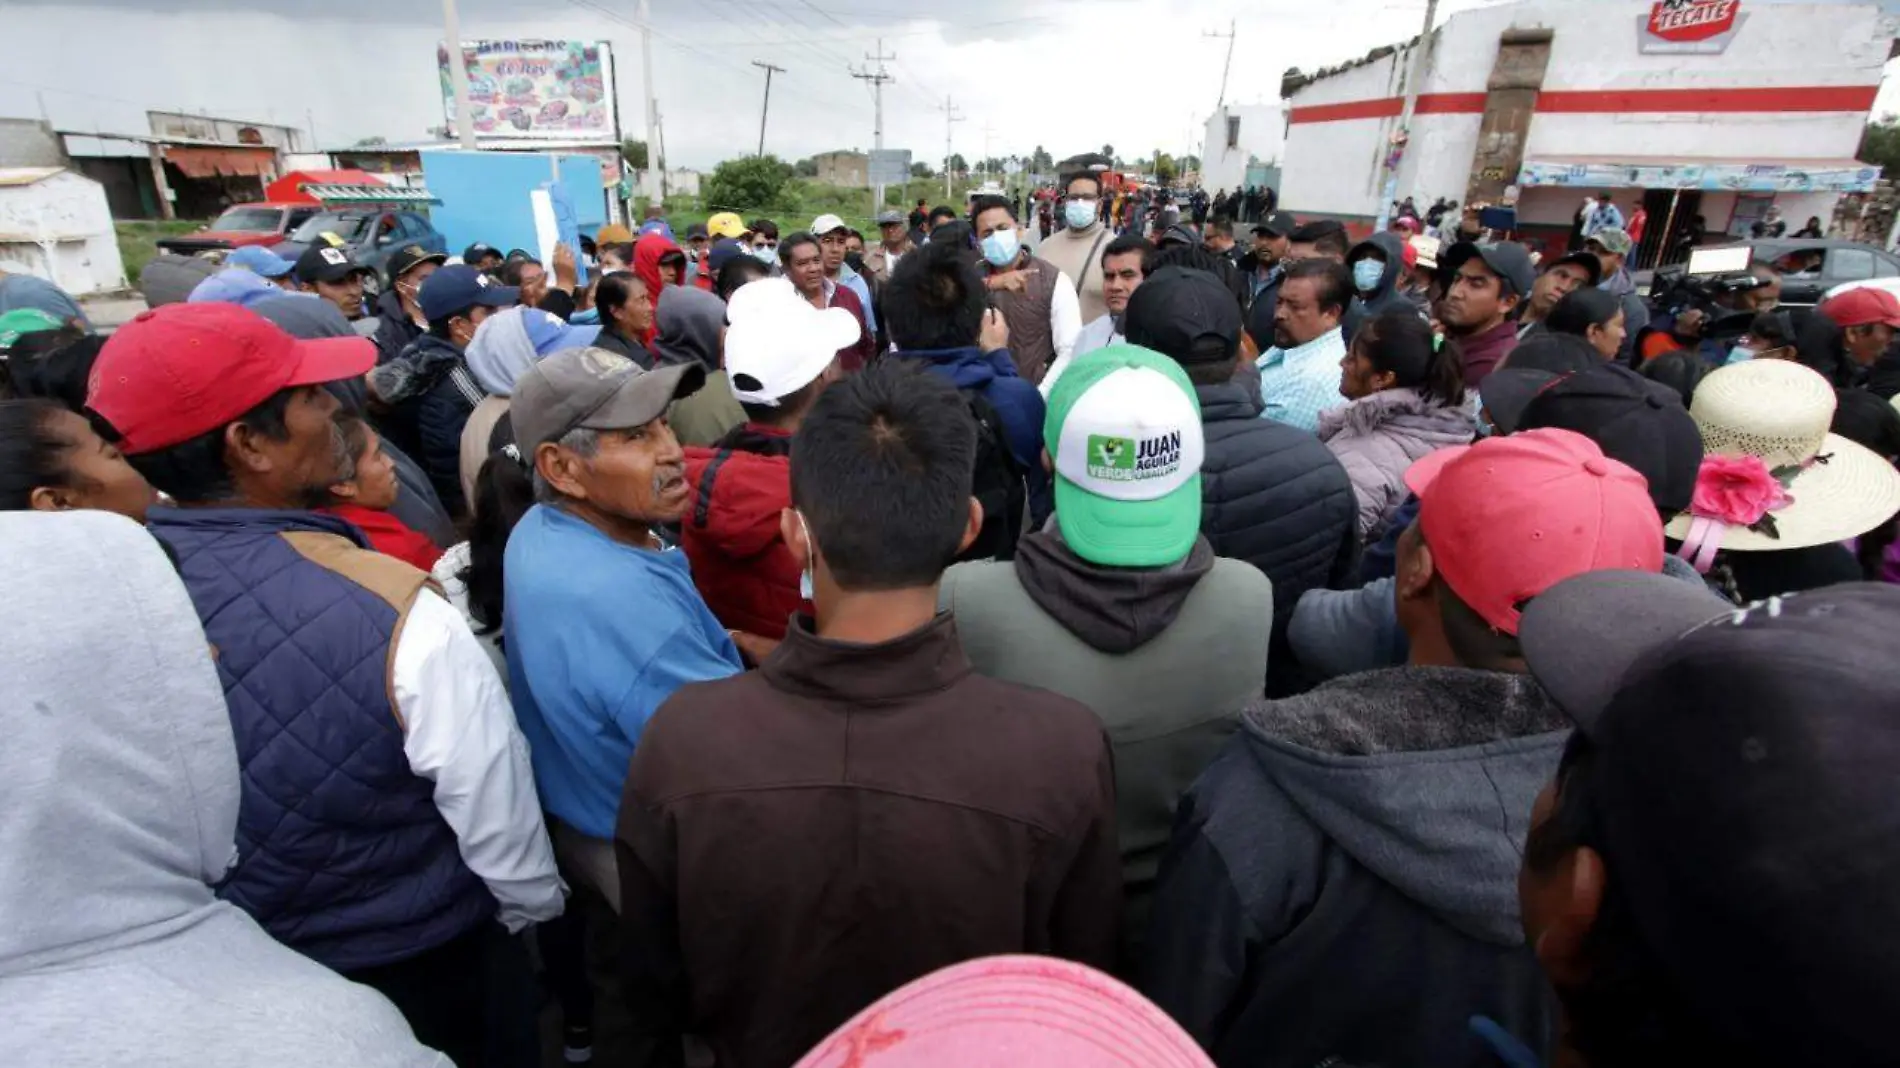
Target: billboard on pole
889,166
541,90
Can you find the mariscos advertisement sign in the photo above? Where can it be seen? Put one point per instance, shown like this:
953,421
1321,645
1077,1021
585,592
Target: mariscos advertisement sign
541,90
1702,27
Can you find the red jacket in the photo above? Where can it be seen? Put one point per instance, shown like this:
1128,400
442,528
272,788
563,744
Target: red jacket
854,357
730,532
391,536
647,253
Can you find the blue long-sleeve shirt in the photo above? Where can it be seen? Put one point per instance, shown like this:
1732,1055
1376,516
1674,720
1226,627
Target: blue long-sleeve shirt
599,635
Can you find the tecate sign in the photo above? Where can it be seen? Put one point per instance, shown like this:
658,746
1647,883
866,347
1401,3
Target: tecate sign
1690,26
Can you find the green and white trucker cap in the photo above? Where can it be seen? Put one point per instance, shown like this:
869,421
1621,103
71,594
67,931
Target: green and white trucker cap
1124,428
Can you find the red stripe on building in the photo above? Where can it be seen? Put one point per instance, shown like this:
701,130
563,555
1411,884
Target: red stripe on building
1793,98
1612,101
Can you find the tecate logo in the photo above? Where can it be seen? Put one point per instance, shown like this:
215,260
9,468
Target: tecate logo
1692,20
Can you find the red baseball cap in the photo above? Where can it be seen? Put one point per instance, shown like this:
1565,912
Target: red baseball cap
1863,306
1010,1012
1510,517
183,370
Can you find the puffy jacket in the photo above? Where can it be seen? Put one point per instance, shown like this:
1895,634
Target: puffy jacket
395,331
432,390
341,851
1377,437
1276,497
741,564
1385,296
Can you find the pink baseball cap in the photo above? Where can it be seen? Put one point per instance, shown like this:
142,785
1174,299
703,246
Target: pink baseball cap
1010,1012
183,370
1510,517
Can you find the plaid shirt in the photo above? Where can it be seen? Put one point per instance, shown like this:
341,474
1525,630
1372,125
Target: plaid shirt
1299,383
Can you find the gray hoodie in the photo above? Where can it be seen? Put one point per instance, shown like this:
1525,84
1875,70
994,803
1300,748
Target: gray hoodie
1350,861
688,323
119,784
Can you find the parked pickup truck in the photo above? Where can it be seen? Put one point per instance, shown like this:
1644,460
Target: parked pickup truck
240,225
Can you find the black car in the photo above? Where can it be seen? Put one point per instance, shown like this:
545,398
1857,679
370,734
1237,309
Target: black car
1811,266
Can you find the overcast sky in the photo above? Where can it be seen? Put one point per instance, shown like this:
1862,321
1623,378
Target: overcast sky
1070,75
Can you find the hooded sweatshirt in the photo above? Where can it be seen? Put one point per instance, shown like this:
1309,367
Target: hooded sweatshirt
1166,658
689,333
1350,861
647,254
121,791
1385,296
730,532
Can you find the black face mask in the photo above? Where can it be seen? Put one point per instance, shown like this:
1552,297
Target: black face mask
855,260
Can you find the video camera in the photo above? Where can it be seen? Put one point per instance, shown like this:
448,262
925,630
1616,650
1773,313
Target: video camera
1709,283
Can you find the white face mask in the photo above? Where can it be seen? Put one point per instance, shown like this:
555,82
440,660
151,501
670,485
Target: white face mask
1080,214
1002,247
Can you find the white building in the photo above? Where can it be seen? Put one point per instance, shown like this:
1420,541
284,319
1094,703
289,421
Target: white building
54,223
1242,138
1714,108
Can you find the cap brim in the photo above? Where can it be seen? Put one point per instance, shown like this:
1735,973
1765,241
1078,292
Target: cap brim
1581,636
645,397
1129,533
1852,493
1505,393
497,296
1425,470
575,337
331,359
1009,1012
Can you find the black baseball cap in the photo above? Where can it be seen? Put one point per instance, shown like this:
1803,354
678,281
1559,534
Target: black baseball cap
697,230
476,252
1187,315
1589,264
324,262
1178,234
1740,793
1506,259
1277,223
1633,420
1561,354
409,257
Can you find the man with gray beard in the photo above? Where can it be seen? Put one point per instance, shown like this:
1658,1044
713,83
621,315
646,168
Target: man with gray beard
388,826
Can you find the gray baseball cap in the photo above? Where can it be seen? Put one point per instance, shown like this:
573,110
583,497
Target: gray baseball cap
1506,259
885,218
597,390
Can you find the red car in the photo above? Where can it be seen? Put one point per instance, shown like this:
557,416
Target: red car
243,224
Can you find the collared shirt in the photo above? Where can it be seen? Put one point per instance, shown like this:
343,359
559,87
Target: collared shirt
853,281
1299,383
599,635
1099,334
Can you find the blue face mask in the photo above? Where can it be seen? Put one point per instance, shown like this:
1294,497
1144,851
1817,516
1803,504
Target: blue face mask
1366,275
1740,354
765,254
1079,214
1001,248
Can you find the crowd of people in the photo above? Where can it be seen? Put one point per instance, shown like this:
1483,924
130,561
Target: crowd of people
762,648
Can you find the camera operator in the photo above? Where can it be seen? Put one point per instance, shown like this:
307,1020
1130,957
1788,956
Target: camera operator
1707,314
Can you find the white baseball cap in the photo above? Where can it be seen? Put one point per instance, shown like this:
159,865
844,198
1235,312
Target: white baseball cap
777,343
825,224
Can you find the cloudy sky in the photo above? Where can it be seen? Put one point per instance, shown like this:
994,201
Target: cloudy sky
1070,75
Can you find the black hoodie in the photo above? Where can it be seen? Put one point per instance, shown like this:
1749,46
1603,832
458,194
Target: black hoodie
1385,296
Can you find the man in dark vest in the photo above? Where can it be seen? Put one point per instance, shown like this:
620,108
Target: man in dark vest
1037,300
388,826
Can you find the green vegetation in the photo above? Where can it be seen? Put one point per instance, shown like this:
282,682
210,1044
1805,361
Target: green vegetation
794,202
138,241
1880,145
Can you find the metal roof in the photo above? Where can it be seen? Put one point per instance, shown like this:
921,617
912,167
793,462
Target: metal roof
367,194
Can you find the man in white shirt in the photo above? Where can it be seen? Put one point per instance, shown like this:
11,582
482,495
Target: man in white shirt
389,826
1124,265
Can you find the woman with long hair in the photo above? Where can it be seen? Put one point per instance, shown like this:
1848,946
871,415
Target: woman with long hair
1593,315
626,317
1406,385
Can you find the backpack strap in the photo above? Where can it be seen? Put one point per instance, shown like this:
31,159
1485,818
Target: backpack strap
1082,275
702,505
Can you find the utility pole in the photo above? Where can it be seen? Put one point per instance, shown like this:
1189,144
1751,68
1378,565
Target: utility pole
659,132
1225,67
458,76
878,80
1414,81
988,175
763,108
950,119
656,194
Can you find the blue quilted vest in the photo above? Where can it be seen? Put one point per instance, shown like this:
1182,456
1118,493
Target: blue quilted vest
342,854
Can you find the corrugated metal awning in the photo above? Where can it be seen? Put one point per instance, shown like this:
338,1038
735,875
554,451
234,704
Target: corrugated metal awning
200,162
1708,175
369,194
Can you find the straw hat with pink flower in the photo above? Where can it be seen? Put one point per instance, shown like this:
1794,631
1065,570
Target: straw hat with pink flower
1773,476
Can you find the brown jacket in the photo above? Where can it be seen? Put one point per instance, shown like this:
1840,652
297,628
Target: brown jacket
798,841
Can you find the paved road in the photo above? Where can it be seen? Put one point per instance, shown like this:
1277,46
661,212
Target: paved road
111,312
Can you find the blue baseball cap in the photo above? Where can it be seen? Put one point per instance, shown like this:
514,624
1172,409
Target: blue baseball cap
656,226
550,333
454,288
259,260
724,251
